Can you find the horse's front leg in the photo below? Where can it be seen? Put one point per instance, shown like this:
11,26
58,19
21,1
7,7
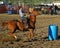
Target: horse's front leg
30,34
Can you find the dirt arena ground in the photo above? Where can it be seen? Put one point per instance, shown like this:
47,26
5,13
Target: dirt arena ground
41,33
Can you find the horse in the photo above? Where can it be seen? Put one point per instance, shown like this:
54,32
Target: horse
13,25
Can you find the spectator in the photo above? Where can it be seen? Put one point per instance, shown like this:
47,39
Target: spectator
56,9
49,10
52,9
42,10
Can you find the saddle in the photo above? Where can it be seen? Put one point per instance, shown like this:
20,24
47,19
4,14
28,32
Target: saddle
25,22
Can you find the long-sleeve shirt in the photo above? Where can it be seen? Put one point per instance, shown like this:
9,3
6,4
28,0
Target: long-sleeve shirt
21,13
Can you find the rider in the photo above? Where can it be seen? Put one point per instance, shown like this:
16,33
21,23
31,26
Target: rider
22,14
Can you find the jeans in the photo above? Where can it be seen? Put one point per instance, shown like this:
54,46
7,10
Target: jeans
24,18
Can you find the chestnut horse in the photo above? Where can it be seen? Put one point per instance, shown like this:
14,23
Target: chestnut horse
15,24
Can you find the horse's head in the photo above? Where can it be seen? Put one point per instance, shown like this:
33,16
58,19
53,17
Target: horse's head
34,12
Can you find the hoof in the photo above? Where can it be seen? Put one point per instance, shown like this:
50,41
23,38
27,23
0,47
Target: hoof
15,37
17,40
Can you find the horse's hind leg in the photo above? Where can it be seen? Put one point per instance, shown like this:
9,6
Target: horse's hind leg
12,33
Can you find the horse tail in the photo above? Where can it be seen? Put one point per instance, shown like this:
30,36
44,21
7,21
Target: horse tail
4,23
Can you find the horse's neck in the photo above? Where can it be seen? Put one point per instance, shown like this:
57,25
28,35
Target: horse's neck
33,18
